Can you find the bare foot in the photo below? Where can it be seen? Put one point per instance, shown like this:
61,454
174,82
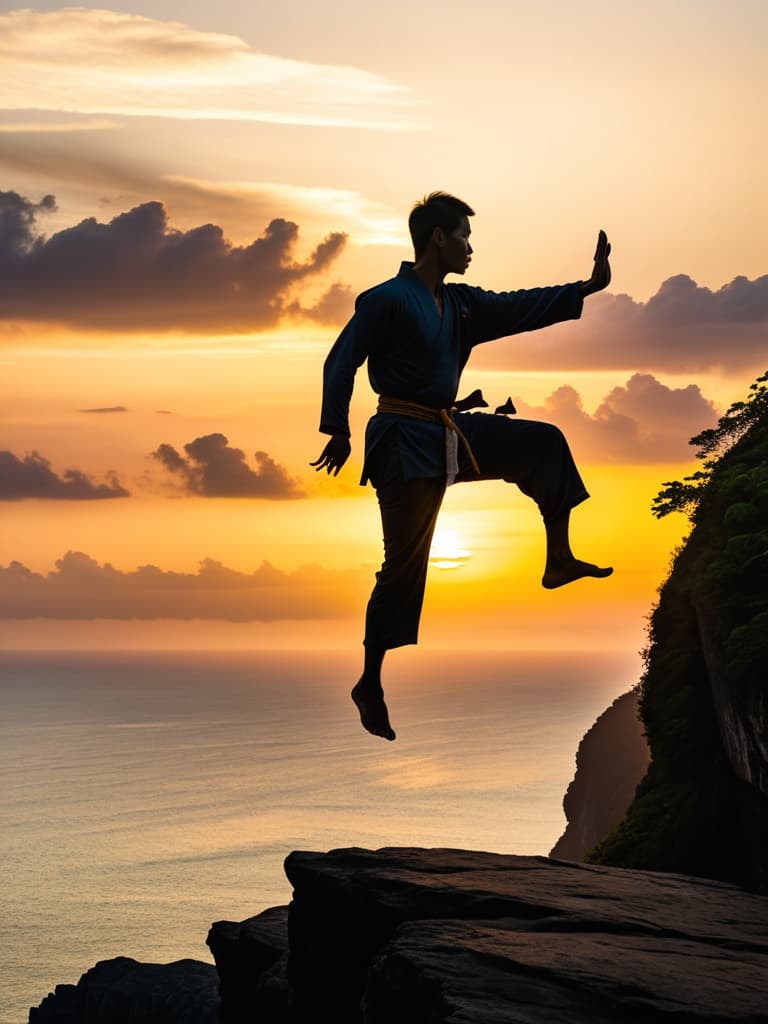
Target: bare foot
373,710
573,569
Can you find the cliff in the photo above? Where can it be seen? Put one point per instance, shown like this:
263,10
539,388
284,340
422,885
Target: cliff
702,808
611,760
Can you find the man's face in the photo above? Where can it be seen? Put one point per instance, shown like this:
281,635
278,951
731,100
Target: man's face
456,251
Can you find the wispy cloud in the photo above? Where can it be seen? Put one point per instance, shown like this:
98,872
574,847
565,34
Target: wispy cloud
56,127
106,408
374,223
132,65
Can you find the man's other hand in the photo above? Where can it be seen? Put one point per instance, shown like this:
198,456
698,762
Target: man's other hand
334,455
601,272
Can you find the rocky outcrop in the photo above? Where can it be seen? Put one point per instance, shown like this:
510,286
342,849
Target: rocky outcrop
252,960
611,760
124,991
412,935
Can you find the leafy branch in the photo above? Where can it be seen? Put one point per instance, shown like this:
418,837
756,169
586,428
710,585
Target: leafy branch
684,495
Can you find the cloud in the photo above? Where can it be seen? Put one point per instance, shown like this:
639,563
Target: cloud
106,408
332,309
81,588
136,272
684,327
642,422
32,477
15,127
213,469
132,65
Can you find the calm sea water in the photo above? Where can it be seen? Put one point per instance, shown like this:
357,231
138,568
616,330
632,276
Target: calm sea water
145,795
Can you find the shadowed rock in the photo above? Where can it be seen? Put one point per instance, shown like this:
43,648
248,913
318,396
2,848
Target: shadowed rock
414,936
251,958
124,991
451,935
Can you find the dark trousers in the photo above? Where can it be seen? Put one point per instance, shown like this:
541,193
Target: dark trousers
533,455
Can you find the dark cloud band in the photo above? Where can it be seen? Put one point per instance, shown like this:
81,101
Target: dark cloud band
683,328
32,477
644,421
81,588
138,273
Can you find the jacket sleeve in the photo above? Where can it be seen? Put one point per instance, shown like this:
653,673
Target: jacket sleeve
499,314
359,338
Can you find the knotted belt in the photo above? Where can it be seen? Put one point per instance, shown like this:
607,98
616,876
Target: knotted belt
403,407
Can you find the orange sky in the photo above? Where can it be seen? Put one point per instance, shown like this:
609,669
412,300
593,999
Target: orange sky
270,175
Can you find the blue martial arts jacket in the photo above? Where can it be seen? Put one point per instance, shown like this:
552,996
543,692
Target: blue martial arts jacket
416,354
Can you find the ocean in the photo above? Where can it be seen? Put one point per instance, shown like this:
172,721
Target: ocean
144,795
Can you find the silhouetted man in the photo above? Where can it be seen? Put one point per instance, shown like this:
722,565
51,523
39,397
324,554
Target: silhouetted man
417,333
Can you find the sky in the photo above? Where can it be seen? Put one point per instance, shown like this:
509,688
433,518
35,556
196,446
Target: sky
191,196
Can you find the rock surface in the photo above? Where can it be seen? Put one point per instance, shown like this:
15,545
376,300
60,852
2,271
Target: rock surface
450,935
611,760
251,958
124,991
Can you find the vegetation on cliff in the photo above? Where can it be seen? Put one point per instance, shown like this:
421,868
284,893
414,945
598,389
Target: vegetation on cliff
702,808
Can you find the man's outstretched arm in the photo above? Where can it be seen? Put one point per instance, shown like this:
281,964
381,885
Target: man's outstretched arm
601,271
501,314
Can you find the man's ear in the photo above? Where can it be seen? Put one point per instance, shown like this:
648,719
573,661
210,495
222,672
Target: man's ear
439,237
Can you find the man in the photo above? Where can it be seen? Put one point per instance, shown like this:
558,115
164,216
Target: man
417,334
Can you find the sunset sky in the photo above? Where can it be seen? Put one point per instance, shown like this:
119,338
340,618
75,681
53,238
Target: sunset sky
191,195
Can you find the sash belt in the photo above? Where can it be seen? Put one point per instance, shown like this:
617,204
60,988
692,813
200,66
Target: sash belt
402,407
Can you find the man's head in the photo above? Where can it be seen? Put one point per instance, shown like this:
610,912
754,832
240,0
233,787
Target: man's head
438,217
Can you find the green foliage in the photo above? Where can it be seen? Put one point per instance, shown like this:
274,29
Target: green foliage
708,646
685,495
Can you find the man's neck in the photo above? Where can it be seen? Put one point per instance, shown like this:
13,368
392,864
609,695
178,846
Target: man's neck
430,273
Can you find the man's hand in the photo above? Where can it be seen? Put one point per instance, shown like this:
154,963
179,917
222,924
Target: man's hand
334,455
601,273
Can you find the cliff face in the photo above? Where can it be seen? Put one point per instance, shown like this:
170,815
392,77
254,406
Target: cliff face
703,805
611,760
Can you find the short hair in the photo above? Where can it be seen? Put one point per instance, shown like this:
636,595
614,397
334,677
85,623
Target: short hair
437,210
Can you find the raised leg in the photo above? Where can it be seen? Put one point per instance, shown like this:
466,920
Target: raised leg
537,458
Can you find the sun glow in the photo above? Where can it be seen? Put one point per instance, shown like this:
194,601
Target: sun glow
448,551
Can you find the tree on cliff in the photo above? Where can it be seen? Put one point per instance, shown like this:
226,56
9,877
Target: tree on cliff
685,495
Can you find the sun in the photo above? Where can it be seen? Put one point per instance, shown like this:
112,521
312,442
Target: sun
448,550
